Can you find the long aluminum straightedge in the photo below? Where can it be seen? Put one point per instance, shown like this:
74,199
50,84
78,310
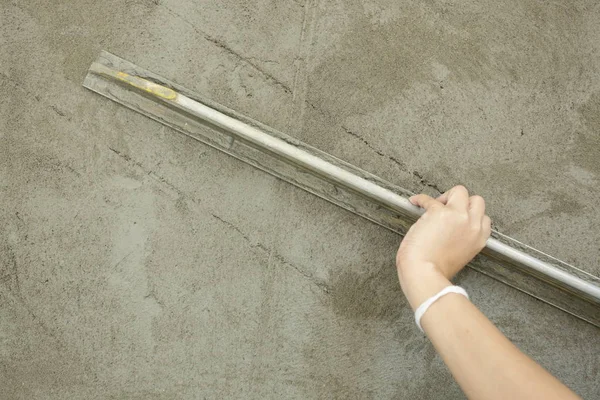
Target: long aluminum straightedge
505,259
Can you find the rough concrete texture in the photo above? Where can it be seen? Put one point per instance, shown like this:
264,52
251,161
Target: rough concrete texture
139,264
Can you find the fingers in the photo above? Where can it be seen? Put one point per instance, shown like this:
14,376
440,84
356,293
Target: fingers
476,206
457,197
486,226
443,198
424,201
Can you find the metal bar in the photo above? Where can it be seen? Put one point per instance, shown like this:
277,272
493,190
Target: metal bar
507,260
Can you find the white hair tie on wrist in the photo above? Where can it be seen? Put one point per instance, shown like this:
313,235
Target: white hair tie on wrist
420,311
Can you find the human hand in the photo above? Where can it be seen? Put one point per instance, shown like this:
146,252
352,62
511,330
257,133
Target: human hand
453,229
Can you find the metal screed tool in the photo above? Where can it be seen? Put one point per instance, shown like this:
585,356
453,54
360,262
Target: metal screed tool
507,260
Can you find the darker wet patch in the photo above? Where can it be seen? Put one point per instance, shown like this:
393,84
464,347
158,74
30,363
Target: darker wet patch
374,295
362,72
563,203
181,206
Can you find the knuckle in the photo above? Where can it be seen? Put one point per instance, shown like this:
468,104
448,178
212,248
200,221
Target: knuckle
477,199
460,188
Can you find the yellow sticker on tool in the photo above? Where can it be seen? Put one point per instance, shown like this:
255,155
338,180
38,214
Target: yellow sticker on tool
147,86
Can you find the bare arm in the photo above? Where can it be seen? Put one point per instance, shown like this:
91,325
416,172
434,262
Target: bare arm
483,361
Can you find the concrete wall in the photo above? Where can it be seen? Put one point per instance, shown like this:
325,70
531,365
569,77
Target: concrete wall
136,263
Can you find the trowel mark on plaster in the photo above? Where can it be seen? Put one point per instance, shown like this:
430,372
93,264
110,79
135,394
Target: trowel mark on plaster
439,71
582,176
302,61
134,223
588,137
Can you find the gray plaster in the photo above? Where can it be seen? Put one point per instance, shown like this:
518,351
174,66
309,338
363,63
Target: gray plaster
137,263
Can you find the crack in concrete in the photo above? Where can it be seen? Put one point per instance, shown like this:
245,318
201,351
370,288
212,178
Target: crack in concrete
18,295
14,273
58,111
18,85
15,83
247,91
148,172
222,45
373,148
427,183
322,285
232,226
319,283
122,260
151,296
263,60
422,180
125,157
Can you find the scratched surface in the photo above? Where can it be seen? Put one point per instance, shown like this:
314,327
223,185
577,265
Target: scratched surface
137,263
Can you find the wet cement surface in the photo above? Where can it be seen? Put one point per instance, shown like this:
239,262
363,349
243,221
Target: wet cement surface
137,263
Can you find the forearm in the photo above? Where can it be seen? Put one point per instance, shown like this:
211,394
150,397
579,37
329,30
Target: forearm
483,361
486,365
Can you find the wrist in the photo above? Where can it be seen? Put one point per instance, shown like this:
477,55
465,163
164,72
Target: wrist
420,282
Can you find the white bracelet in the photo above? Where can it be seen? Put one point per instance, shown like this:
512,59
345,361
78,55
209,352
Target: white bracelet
427,303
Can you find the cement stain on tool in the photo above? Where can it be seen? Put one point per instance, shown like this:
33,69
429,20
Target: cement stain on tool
147,86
